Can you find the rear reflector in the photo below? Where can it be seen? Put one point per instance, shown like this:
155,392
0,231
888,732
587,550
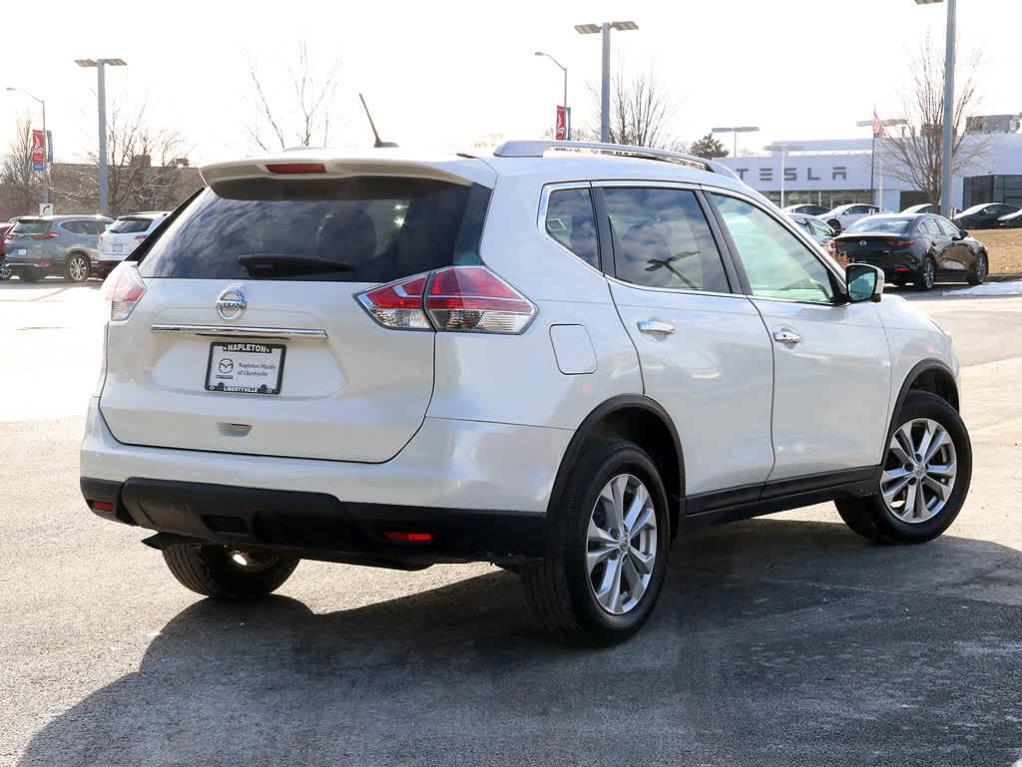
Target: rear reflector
405,536
101,506
457,298
123,289
296,167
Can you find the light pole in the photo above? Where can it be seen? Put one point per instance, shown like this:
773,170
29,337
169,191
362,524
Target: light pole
46,141
99,65
949,105
783,149
736,130
567,111
604,29
877,125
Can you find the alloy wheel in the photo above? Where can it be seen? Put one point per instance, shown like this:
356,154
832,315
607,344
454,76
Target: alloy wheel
78,268
622,544
920,470
981,268
928,274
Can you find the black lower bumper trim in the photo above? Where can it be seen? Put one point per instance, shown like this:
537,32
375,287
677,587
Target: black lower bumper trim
318,525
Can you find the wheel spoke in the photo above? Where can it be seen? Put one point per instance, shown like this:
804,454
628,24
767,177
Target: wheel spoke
893,474
641,562
910,502
938,487
638,513
940,439
921,511
599,536
924,443
891,493
636,585
942,470
902,446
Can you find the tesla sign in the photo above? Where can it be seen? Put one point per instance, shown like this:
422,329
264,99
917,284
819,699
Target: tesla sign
792,175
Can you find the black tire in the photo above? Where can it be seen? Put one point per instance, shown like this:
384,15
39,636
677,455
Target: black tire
211,571
979,273
558,587
77,267
835,225
927,276
870,517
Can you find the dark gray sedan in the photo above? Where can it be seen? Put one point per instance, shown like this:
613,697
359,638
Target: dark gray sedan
43,245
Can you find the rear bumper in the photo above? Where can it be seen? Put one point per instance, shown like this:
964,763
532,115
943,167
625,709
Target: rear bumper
316,525
452,475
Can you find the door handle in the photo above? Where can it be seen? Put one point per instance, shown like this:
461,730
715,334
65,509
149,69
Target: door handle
655,327
787,336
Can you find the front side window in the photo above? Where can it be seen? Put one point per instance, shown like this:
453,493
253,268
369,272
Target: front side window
930,227
776,263
662,240
570,221
947,228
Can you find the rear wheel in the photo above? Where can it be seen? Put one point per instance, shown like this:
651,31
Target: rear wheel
925,478
979,272
609,541
223,572
927,275
76,268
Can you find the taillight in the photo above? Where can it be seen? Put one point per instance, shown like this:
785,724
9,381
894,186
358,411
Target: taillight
123,289
398,304
296,167
457,298
45,236
140,237
899,243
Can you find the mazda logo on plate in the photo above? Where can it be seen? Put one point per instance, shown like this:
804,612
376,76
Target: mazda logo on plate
231,304
226,365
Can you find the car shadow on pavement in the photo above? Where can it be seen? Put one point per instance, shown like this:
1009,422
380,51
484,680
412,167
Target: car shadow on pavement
775,642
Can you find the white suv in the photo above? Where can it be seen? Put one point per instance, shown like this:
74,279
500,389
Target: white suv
555,358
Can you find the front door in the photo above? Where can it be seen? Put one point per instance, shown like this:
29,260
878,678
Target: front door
703,352
832,371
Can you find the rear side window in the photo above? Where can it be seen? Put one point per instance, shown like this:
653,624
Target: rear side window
75,227
662,240
130,225
570,221
364,229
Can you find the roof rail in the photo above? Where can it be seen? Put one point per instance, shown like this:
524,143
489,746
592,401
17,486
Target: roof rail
539,148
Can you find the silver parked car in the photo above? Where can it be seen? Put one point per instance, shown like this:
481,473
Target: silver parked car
42,245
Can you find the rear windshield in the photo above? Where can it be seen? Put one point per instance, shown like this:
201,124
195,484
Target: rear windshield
346,230
130,225
879,224
30,226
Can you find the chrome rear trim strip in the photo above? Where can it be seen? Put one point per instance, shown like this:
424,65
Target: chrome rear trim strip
241,331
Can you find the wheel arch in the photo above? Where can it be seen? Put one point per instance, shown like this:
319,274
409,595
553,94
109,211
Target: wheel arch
646,423
931,376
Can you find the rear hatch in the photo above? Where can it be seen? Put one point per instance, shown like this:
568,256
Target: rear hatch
285,254
123,236
23,241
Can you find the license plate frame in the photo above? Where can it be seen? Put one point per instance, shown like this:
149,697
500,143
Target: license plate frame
223,379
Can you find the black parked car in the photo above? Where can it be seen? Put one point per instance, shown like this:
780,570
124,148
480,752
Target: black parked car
1011,221
984,216
920,249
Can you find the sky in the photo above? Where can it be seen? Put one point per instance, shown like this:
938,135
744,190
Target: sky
449,74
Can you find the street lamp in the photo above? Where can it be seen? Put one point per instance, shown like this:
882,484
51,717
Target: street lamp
783,149
949,105
46,142
99,65
604,29
736,130
875,123
567,111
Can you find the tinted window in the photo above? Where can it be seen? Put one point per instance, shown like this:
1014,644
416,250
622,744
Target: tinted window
25,227
570,221
131,225
929,226
946,227
776,263
347,230
75,227
662,240
881,224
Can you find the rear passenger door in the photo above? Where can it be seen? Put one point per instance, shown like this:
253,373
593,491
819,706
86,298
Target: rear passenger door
704,354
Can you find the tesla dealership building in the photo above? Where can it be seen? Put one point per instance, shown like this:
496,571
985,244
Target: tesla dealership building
832,173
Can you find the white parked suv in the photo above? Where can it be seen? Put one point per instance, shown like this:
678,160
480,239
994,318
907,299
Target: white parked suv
122,237
843,216
555,358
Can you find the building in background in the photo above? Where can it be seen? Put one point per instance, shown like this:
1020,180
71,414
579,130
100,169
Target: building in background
832,173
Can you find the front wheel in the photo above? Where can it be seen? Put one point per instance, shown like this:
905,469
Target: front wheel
77,267
979,272
925,478
609,541
223,572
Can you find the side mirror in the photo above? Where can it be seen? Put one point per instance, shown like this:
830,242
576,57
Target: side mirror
863,283
962,234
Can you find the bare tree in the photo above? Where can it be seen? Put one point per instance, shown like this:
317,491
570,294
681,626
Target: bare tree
640,110
916,156
16,172
303,120
143,166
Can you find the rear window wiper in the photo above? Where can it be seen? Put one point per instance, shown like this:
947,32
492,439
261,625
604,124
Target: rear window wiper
271,264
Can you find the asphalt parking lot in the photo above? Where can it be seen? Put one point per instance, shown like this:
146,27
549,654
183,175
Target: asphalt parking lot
785,640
